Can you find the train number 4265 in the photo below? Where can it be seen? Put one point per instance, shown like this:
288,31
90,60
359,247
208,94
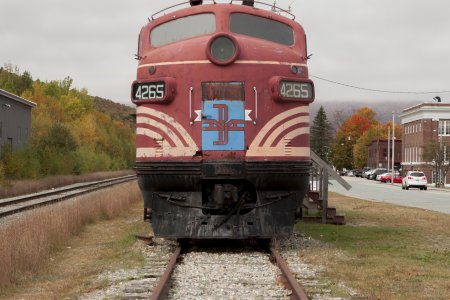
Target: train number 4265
297,90
149,90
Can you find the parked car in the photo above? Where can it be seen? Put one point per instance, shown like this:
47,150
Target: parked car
386,177
414,179
379,176
366,173
357,173
342,173
352,173
375,172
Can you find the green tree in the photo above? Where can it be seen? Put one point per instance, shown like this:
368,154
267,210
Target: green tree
321,134
13,81
60,138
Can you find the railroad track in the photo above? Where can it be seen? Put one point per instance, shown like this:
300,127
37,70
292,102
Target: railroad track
9,206
248,274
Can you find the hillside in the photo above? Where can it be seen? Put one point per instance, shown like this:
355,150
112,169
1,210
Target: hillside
72,131
117,111
337,111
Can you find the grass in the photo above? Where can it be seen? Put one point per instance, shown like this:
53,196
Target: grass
22,187
384,251
29,243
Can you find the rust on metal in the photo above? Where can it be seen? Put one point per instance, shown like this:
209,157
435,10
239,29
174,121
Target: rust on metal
162,289
297,291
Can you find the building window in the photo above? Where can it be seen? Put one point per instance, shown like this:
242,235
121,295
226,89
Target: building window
444,127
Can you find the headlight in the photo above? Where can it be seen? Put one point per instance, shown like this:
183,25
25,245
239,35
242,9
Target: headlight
222,49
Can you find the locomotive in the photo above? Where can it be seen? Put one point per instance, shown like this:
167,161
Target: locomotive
222,120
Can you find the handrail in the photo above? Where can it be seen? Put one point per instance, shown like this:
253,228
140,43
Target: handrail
272,7
330,171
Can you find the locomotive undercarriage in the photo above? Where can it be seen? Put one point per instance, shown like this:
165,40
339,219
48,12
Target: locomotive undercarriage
235,200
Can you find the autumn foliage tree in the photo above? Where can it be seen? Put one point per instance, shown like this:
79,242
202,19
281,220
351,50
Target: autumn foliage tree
68,135
343,147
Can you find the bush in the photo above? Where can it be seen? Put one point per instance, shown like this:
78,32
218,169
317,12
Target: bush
2,174
86,161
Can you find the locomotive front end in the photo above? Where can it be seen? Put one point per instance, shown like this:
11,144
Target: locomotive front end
222,95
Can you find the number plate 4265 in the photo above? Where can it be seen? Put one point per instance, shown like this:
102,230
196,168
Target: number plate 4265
149,90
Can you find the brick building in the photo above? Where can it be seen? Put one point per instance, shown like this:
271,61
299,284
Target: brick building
377,154
15,120
422,124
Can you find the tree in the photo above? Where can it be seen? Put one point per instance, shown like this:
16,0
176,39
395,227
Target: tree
341,152
438,155
348,134
321,134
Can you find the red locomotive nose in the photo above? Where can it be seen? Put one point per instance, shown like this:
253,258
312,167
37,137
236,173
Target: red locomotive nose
222,49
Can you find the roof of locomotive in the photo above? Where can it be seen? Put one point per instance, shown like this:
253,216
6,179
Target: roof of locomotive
223,8
222,12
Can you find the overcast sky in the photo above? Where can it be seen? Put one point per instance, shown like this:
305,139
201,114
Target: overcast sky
392,45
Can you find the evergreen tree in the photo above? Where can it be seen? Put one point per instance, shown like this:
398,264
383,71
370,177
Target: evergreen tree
321,134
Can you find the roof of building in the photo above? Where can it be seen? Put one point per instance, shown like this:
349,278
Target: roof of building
426,110
17,98
427,104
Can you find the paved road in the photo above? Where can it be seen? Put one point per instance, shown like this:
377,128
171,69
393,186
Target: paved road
431,199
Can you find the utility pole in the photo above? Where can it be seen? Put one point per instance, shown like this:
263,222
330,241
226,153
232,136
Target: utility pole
393,148
389,150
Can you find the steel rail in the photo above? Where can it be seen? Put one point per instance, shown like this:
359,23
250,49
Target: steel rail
297,291
162,289
56,195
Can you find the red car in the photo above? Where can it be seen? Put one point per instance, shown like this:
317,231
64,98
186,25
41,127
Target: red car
387,178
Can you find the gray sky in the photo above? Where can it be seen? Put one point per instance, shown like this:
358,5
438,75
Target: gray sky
395,45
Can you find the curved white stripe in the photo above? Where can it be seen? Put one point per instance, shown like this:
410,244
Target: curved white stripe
167,130
149,133
275,120
147,110
276,133
163,149
295,133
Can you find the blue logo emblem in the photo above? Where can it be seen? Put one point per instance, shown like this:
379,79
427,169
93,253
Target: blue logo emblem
223,125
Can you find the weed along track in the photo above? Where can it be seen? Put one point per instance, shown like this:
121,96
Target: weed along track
9,206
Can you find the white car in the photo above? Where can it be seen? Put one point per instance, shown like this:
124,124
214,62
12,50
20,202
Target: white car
414,179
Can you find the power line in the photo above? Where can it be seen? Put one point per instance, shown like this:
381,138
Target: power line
375,90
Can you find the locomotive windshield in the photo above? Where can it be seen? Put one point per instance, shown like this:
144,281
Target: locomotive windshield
183,28
262,28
